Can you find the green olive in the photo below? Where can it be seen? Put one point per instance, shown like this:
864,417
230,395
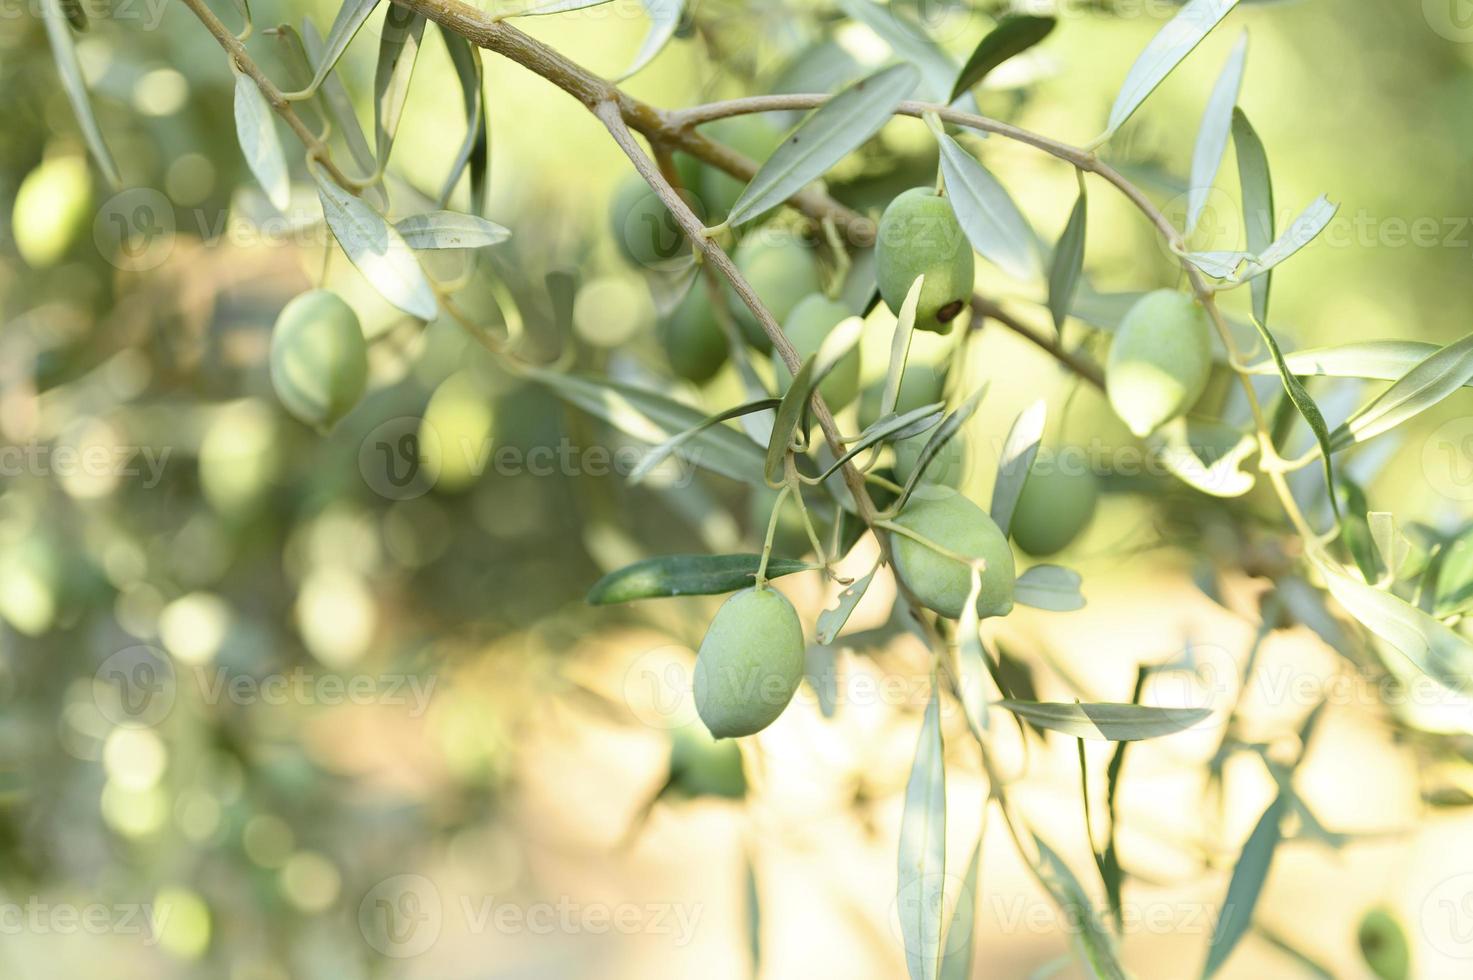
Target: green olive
693,340
644,229
919,234
1057,503
319,361
1383,943
456,432
749,664
806,326
1159,361
51,208
782,270
942,583
702,766
751,136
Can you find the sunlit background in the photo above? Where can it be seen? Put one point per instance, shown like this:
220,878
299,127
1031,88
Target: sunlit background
269,711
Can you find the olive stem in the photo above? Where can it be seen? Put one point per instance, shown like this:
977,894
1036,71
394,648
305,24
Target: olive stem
777,507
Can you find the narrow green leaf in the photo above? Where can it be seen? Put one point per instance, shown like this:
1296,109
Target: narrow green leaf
891,427
1258,202
840,341
922,857
1454,593
825,137
475,150
1425,385
335,97
376,249
664,19
450,229
943,434
1306,406
1014,34
1376,360
1212,134
900,346
956,952
1355,529
1104,721
255,130
398,52
555,7
1239,267
1167,50
1095,943
351,16
1068,263
831,621
1110,868
653,418
1433,648
1016,461
1050,587
992,222
678,575
664,450
971,661
64,52
1245,886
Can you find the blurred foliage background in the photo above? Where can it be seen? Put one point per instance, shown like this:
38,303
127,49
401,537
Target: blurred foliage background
257,699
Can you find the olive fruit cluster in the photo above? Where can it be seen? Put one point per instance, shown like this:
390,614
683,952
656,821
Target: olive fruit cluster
319,360
1159,361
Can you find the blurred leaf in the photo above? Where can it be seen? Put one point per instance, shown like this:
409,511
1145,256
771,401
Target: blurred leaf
900,346
1239,267
255,129
76,14
450,229
398,52
377,250
1305,405
1212,134
1433,648
828,135
1096,944
909,41
890,427
664,19
1178,444
653,418
971,660
678,575
1455,577
475,148
1245,886
993,223
956,959
943,434
831,621
1016,462
335,96
754,917
1376,360
663,451
351,16
1068,263
1014,34
64,51
1167,49
1050,587
839,342
1258,202
1432,380
554,7
1391,544
1106,722
922,859
1355,529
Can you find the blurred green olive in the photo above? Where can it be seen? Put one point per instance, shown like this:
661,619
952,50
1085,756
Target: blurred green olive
51,209
1159,361
809,323
693,340
1384,945
319,360
782,270
751,136
703,766
1057,503
646,232
750,663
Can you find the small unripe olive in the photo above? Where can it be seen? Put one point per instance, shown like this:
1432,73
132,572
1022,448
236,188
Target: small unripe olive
1057,503
319,361
1159,361
948,468
702,766
751,136
942,583
693,340
782,270
644,229
919,234
455,433
1383,943
806,326
749,664
51,207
